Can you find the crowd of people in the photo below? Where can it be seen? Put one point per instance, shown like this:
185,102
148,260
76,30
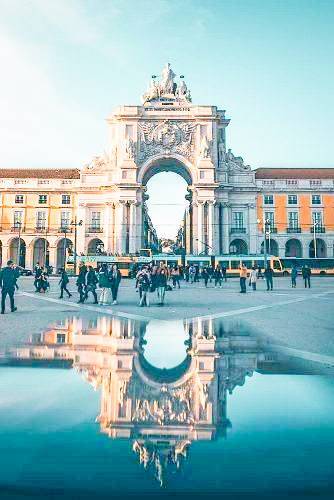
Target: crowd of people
149,279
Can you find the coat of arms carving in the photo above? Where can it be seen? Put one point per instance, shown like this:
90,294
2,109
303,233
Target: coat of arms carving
168,136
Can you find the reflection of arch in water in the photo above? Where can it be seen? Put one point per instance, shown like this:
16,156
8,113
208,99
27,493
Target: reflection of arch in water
152,374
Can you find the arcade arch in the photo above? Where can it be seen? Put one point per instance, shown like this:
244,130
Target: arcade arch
272,247
293,248
62,245
238,246
17,246
320,246
40,252
95,246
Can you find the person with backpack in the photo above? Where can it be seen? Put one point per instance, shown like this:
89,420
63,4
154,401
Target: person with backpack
63,282
143,284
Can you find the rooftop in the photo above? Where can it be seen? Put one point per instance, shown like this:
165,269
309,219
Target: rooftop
39,173
294,173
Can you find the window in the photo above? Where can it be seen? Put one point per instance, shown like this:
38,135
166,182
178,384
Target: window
292,199
43,199
61,338
238,220
291,182
293,220
268,183
201,174
316,199
268,199
65,219
317,218
19,198
96,220
270,217
315,182
17,219
66,199
124,174
40,220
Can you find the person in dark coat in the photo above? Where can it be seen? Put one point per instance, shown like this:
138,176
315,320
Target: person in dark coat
268,274
115,279
63,282
306,273
161,284
218,276
91,282
38,273
81,282
205,276
224,271
294,274
8,277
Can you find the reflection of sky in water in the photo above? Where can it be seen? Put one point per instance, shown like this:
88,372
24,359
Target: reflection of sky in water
282,436
165,343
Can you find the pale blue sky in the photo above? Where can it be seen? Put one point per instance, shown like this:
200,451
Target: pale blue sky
65,64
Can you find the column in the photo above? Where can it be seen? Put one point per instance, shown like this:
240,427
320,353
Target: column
210,227
132,230
81,230
199,227
226,228
252,229
107,226
121,227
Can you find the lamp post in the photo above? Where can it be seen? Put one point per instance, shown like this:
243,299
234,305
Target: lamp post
46,245
266,224
75,224
315,223
65,245
203,243
19,224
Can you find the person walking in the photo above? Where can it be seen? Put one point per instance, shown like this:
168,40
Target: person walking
192,274
306,273
43,284
38,272
8,277
91,282
243,276
63,282
143,283
81,282
161,283
176,276
268,274
105,285
210,273
115,279
224,271
218,276
205,276
253,278
294,274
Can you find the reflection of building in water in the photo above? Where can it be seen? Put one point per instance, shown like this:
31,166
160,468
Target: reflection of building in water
161,410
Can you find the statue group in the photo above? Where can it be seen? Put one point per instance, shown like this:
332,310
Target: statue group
166,87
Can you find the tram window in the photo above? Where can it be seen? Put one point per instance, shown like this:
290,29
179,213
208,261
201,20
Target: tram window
224,263
248,263
235,264
277,265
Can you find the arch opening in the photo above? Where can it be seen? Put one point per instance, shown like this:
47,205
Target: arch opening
293,248
41,252
17,251
168,206
272,247
64,246
317,248
95,247
238,247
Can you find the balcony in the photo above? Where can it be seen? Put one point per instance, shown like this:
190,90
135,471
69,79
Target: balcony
238,230
273,230
293,230
17,228
65,229
318,229
94,229
41,229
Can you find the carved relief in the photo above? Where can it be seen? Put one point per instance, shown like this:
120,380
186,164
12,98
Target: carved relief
168,136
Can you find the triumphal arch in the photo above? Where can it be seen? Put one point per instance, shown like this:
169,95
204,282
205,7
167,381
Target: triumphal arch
168,132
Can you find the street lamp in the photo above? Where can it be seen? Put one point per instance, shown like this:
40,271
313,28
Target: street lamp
19,225
315,224
203,243
266,229
75,224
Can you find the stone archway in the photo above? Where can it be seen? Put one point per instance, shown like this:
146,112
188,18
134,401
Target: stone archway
320,247
63,246
238,247
272,247
293,248
40,252
95,247
17,246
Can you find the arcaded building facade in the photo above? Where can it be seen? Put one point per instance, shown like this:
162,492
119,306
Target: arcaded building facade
228,200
